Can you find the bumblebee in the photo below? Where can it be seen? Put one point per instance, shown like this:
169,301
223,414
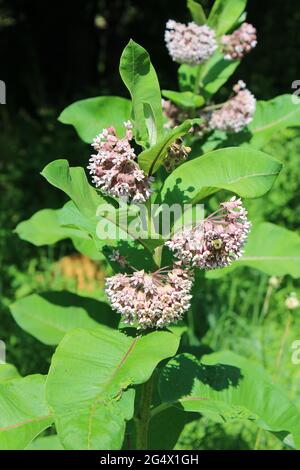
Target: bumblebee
217,243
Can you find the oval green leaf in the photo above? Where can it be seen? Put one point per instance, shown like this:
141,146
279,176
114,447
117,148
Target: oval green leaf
140,78
225,14
90,116
24,413
49,316
271,249
244,171
97,368
226,387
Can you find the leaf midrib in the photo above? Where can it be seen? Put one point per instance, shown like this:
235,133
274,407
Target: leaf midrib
28,421
98,397
229,183
274,123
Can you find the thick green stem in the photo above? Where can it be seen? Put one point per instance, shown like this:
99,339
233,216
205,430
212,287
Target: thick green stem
144,414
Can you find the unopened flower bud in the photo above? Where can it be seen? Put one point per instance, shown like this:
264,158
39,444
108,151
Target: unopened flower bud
274,282
292,302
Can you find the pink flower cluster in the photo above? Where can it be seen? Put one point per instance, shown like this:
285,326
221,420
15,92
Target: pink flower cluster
189,44
217,241
236,113
150,300
174,115
239,43
114,167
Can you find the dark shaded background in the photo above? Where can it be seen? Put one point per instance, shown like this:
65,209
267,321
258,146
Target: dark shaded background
54,52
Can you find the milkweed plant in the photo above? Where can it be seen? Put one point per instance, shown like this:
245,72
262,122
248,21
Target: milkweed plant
163,199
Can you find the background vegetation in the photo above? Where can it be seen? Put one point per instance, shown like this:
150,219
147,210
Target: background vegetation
52,55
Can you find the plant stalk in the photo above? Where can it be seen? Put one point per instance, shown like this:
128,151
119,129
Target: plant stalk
282,344
213,106
143,418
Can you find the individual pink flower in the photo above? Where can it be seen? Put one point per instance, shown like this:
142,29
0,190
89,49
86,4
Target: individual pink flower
236,45
189,44
236,113
217,241
151,300
114,167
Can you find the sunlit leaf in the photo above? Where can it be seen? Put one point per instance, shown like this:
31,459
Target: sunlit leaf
225,14
24,413
246,172
49,316
45,443
140,78
196,11
150,160
97,368
184,99
271,249
92,115
8,372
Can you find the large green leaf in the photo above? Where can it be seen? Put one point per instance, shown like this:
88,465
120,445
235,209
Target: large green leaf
140,78
272,116
73,182
226,387
225,14
8,372
46,227
271,249
89,381
184,99
150,160
23,411
45,443
210,76
244,171
90,116
166,427
216,72
89,212
49,316
83,213
196,11
43,228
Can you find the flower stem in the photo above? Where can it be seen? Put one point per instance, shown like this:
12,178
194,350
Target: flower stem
282,344
143,417
266,304
213,106
198,80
